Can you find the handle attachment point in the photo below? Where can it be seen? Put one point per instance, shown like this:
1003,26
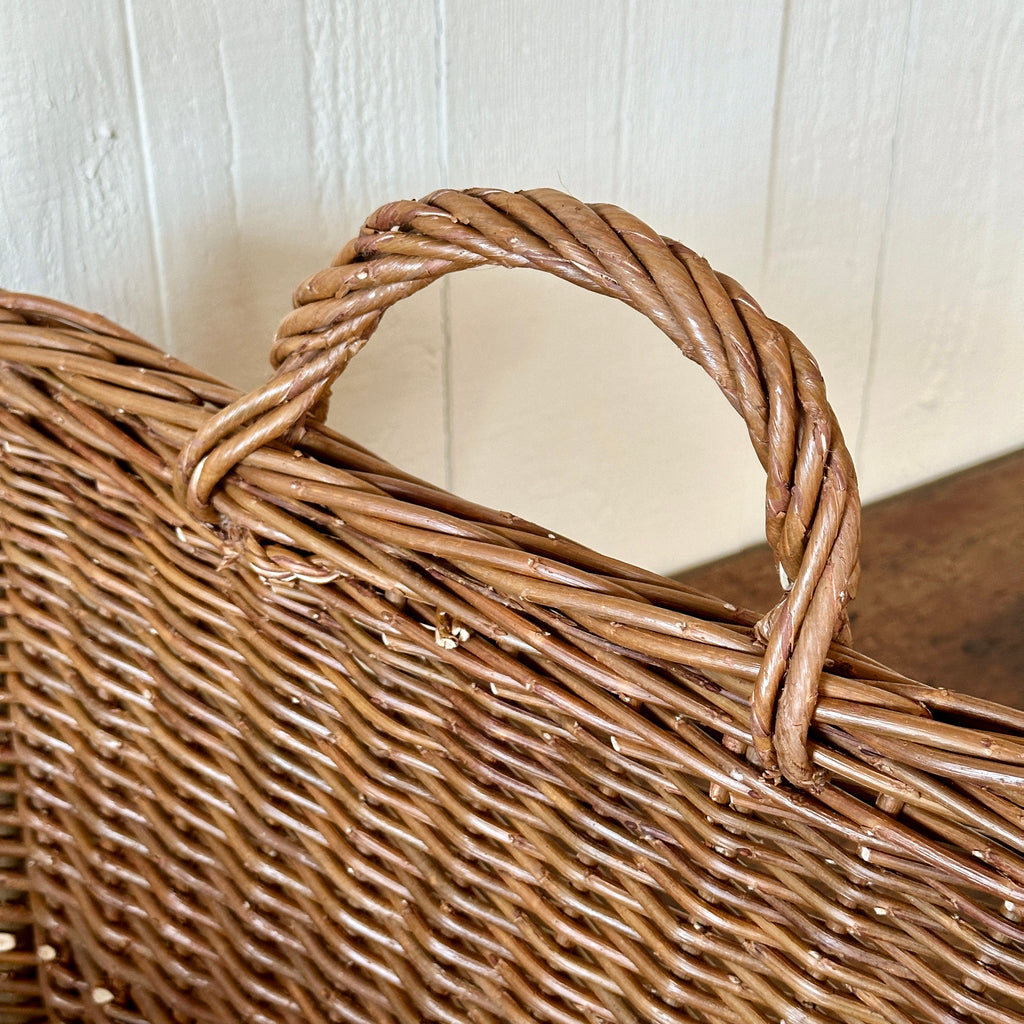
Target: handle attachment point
812,504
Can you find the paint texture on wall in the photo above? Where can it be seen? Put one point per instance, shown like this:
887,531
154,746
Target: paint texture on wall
183,166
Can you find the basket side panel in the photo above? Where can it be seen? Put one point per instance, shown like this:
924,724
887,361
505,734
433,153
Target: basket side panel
21,998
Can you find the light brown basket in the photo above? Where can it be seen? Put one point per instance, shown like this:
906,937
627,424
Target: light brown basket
289,735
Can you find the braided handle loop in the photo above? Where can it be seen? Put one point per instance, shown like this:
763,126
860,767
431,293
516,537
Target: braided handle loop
812,503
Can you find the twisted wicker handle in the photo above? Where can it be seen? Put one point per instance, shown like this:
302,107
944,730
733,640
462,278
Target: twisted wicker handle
812,505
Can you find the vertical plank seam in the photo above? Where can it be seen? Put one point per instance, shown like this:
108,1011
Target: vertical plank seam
447,369
881,261
773,154
623,136
145,142
317,183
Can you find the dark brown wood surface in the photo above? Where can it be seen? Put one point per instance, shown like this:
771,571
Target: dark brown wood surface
942,592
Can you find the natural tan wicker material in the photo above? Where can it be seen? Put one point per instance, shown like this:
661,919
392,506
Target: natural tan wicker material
289,735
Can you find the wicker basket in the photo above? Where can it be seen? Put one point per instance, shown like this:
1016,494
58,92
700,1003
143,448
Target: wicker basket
289,735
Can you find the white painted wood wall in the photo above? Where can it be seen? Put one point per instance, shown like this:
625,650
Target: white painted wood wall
857,164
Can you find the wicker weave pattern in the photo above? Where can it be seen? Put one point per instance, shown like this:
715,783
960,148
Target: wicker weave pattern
291,736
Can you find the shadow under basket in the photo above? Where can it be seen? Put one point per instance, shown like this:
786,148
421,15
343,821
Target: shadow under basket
288,735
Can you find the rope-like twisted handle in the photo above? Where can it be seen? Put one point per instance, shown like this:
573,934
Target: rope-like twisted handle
812,504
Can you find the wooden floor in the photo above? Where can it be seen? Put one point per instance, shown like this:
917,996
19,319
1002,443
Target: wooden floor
942,592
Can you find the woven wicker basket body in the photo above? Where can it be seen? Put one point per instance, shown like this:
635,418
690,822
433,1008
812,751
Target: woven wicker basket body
288,735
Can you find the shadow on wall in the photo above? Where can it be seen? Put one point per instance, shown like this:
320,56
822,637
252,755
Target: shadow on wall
235,284
565,407
574,411
228,288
